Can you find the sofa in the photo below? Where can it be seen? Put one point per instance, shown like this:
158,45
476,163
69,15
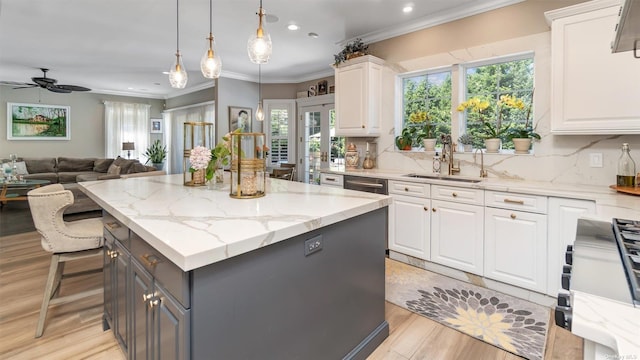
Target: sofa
69,171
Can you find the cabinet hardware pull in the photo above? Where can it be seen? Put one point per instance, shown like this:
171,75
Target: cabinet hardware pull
433,209
154,302
330,179
363,126
150,260
146,297
519,202
113,254
454,195
112,225
406,189
426,208
513,216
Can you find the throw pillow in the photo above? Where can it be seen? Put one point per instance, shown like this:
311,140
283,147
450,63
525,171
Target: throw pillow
102,165
113,170
21,168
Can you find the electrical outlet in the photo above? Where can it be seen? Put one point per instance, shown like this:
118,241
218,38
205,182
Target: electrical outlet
312,245
595,160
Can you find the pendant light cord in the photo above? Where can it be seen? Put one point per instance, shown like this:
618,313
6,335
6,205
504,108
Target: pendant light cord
260,83
210,17
177,27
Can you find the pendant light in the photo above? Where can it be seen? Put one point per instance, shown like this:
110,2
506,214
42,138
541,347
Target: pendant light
259,45
260,110
210,64
178,75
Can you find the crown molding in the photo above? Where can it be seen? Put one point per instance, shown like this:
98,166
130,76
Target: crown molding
580,8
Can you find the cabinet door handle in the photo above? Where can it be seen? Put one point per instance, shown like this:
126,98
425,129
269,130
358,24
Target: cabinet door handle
154,302
147,297
112,225
113,254
433,209
426,208
510,201
150,260
454,194
406,189
513,216
363,126
330,179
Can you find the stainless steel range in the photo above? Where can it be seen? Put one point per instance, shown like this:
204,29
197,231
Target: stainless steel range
602,261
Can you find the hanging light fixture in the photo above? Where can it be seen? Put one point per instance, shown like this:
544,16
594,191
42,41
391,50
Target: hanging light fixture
259,45
210,64
178,75
259,110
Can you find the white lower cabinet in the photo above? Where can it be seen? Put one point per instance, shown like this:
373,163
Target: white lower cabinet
516,248
457,235
563,220
409,226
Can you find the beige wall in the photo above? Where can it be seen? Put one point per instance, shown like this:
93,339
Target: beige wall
86,118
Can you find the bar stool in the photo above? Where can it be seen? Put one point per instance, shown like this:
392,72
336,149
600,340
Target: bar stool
66,241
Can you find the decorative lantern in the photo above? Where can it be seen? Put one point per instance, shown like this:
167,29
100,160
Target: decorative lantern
195,134
248,170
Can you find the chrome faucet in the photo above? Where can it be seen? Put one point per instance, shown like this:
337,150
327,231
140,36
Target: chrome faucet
483,172
446,141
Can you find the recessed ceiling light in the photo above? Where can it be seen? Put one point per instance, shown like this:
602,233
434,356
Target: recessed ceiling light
293,27
312,35
165,72
129,88
407,8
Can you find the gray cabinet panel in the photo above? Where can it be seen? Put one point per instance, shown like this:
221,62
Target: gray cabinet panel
141,316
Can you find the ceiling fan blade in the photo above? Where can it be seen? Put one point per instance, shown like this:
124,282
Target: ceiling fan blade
57,89
15,83
44,81
73,87
26,86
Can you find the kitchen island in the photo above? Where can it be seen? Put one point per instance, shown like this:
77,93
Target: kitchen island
194,274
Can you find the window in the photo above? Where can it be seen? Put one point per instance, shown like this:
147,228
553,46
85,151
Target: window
280,131
489,82
428,92
431,91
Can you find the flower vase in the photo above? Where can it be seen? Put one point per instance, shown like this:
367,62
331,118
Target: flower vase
218,176
522,145
492,145
429,144
197,177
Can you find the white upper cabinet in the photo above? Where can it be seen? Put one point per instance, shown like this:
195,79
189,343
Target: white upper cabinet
358,96
593,91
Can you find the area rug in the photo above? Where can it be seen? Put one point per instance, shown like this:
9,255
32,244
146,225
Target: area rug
513,324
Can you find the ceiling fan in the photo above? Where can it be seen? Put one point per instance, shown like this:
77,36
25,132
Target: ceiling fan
46,83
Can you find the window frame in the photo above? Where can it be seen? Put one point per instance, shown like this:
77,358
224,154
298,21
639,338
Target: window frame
290,106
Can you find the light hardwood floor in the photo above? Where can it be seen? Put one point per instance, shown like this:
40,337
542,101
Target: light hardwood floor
74,331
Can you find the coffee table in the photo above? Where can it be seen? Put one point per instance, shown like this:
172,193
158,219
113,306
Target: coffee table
6,195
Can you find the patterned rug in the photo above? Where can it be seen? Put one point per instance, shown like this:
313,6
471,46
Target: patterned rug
512,324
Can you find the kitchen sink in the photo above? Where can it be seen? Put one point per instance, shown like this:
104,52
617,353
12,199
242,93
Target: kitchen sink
443,177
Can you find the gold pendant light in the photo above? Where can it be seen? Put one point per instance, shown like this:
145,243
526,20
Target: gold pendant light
178,74
260,110
210,64
259,45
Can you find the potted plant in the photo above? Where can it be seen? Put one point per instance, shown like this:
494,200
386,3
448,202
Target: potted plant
156,153
404,141
467,141
352,50
523,135
425,133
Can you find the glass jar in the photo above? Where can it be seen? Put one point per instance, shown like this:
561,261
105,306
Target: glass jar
626,168
248,166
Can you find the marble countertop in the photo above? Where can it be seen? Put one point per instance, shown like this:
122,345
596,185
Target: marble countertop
609,203
607,322
196,226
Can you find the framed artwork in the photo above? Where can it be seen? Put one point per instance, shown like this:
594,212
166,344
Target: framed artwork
38,122
156,126
312,91
240,117
332,89
322,87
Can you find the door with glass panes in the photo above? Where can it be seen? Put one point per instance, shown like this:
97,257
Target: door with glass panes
320,149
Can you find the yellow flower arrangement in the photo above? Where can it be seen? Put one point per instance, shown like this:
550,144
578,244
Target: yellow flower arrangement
418,117
480,106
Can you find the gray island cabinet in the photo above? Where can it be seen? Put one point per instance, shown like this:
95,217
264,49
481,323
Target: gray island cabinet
191,273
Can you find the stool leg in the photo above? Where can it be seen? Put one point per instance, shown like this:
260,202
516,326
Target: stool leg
53,275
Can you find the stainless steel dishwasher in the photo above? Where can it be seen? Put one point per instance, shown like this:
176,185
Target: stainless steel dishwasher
367,184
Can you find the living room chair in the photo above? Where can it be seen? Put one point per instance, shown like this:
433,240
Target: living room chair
66,241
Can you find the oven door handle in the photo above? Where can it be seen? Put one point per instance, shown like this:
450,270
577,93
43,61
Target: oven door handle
365,184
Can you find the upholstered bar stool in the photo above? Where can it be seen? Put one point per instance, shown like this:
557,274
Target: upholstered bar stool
65,240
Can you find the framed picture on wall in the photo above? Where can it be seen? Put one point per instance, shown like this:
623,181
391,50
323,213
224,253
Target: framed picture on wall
38,122
156,126
240,117
322,87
